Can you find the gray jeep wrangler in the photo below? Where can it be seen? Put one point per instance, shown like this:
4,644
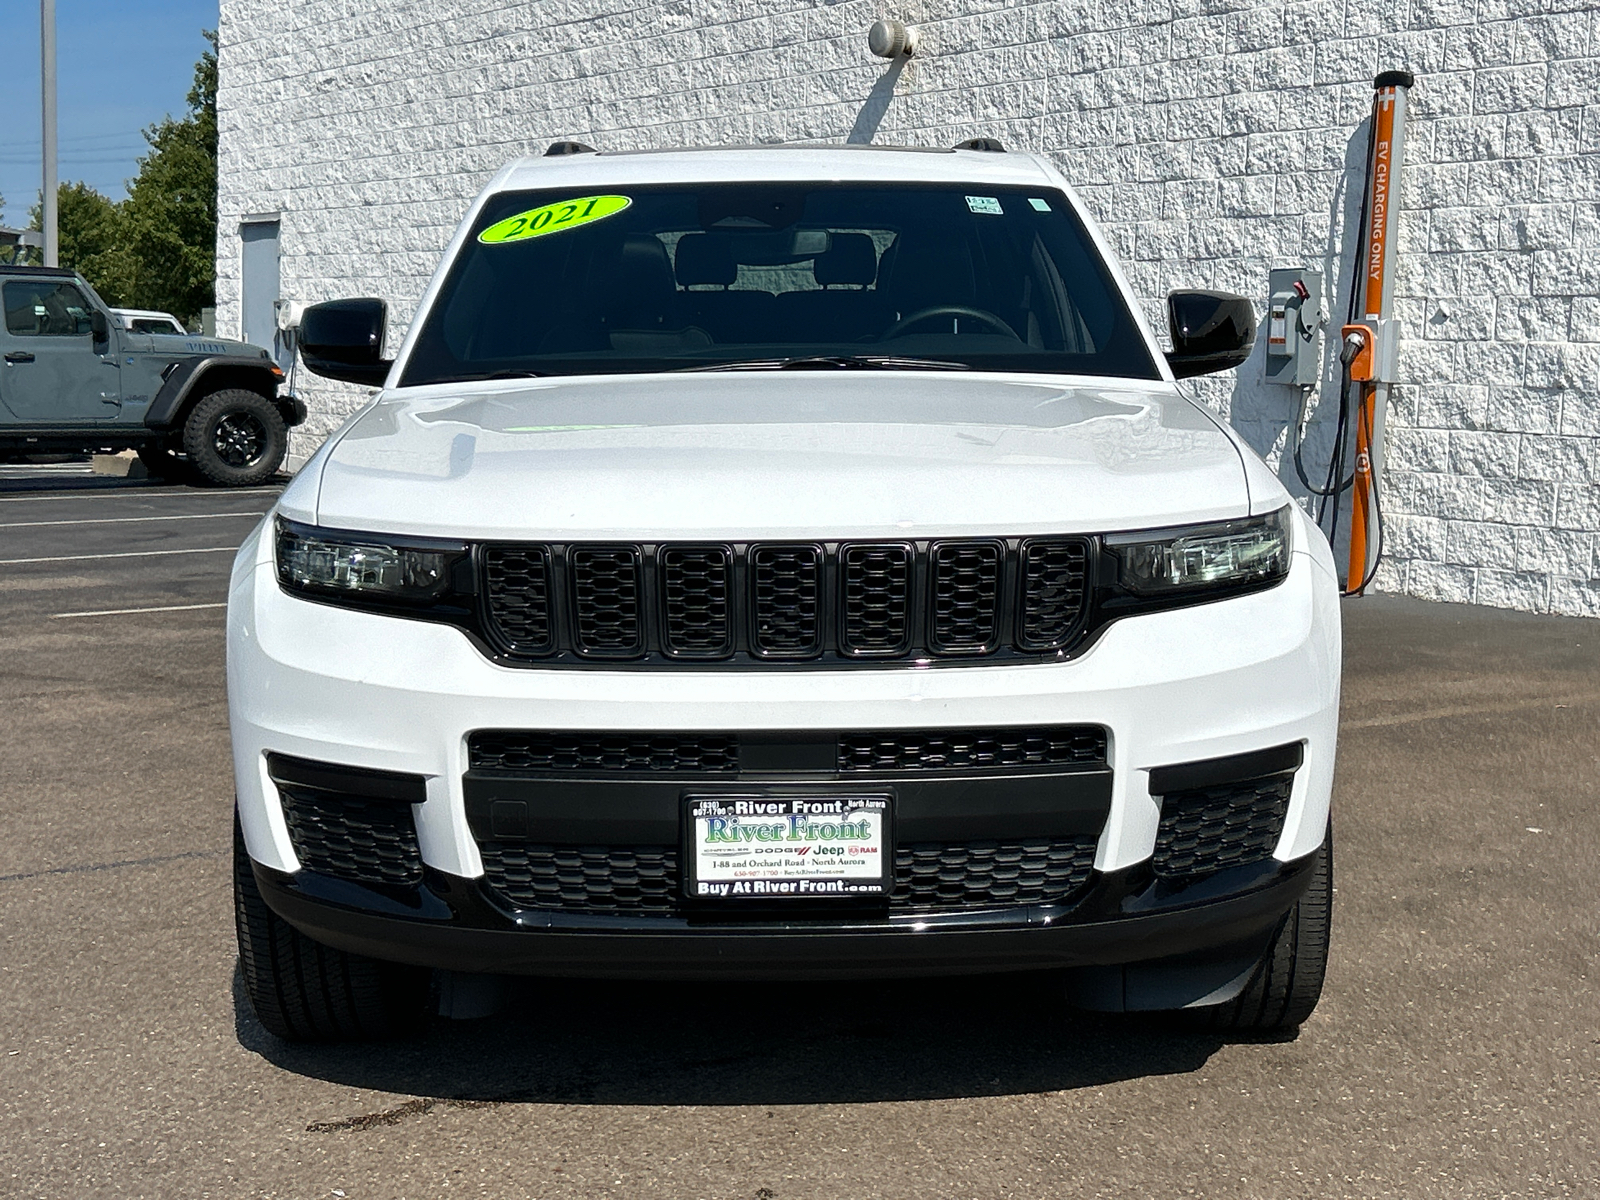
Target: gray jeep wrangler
73,379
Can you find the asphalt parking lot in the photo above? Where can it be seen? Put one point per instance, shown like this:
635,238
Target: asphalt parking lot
1456,1052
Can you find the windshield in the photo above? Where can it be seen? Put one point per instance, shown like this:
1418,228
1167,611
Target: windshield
635,279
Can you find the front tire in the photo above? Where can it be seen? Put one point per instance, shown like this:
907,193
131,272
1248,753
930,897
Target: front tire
303,991
1288,981
235,438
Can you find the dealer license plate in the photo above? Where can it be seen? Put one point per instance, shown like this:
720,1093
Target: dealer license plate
787,847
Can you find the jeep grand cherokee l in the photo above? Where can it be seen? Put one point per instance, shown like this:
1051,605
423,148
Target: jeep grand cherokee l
782,563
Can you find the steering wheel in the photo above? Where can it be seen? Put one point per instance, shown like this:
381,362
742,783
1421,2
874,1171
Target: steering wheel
949,310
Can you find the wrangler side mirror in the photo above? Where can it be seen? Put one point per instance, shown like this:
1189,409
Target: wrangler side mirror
1211,331
99,326
343,339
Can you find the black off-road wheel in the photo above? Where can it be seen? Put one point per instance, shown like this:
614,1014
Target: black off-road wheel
303,991
164,463
1288,980
235,438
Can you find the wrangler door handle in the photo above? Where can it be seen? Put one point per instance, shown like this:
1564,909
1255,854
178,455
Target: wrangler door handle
19,356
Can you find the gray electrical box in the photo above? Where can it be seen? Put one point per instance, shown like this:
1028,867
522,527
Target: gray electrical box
1294,326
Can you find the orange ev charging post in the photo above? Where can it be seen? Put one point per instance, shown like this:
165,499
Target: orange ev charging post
1372,365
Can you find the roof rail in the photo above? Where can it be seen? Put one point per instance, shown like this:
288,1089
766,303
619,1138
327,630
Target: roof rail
569,148
992,145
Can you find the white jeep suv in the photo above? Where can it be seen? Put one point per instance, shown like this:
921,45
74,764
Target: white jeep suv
790,562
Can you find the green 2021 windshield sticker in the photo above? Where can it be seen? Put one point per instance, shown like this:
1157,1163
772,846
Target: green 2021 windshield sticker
554,218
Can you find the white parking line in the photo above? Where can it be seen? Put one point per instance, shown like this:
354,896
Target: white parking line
154,491
17,562
129,520
123,612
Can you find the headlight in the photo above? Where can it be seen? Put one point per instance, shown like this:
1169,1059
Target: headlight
1198,558
370,570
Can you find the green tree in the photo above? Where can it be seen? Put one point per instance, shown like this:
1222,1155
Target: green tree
170,215
89,229
158,248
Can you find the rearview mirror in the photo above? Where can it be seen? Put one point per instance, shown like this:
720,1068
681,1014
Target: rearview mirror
343,339
99,325
1211,331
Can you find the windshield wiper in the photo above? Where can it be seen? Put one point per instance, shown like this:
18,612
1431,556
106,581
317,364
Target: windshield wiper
834,362
491,375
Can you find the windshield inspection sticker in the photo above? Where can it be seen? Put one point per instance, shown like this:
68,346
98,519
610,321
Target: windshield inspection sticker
1038,204
987,205
553,218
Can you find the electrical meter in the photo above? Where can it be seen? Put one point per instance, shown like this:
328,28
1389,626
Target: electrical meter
1294,326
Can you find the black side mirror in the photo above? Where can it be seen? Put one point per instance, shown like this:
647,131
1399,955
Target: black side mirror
343,339
1211,331
99,326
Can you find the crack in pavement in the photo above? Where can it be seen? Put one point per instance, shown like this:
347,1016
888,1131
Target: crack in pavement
393,1116
112,866
1472,710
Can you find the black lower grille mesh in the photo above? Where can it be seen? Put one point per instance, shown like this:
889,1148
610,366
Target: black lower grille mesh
952,749
644,880
1043,747
518,751
597,879
1207,829
352,837
978,874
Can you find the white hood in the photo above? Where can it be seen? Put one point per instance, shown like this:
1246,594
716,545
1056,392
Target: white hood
769,455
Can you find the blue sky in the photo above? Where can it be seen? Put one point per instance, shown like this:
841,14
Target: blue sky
121,65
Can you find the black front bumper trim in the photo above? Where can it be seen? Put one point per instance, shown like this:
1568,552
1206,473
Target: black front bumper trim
1124,916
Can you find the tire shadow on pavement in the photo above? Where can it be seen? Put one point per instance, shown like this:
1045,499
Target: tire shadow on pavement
654,1043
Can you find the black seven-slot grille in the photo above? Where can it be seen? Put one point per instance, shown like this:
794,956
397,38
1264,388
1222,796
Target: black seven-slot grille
532,752
781,602
645,881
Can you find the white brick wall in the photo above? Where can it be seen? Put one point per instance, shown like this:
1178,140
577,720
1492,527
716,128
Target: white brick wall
1213,138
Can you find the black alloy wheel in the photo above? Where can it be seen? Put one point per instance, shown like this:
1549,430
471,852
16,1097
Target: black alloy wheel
239,439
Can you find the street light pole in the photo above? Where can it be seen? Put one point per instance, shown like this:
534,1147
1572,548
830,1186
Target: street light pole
47,83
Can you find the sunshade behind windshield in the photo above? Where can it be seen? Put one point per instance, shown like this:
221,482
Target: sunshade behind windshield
661,278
